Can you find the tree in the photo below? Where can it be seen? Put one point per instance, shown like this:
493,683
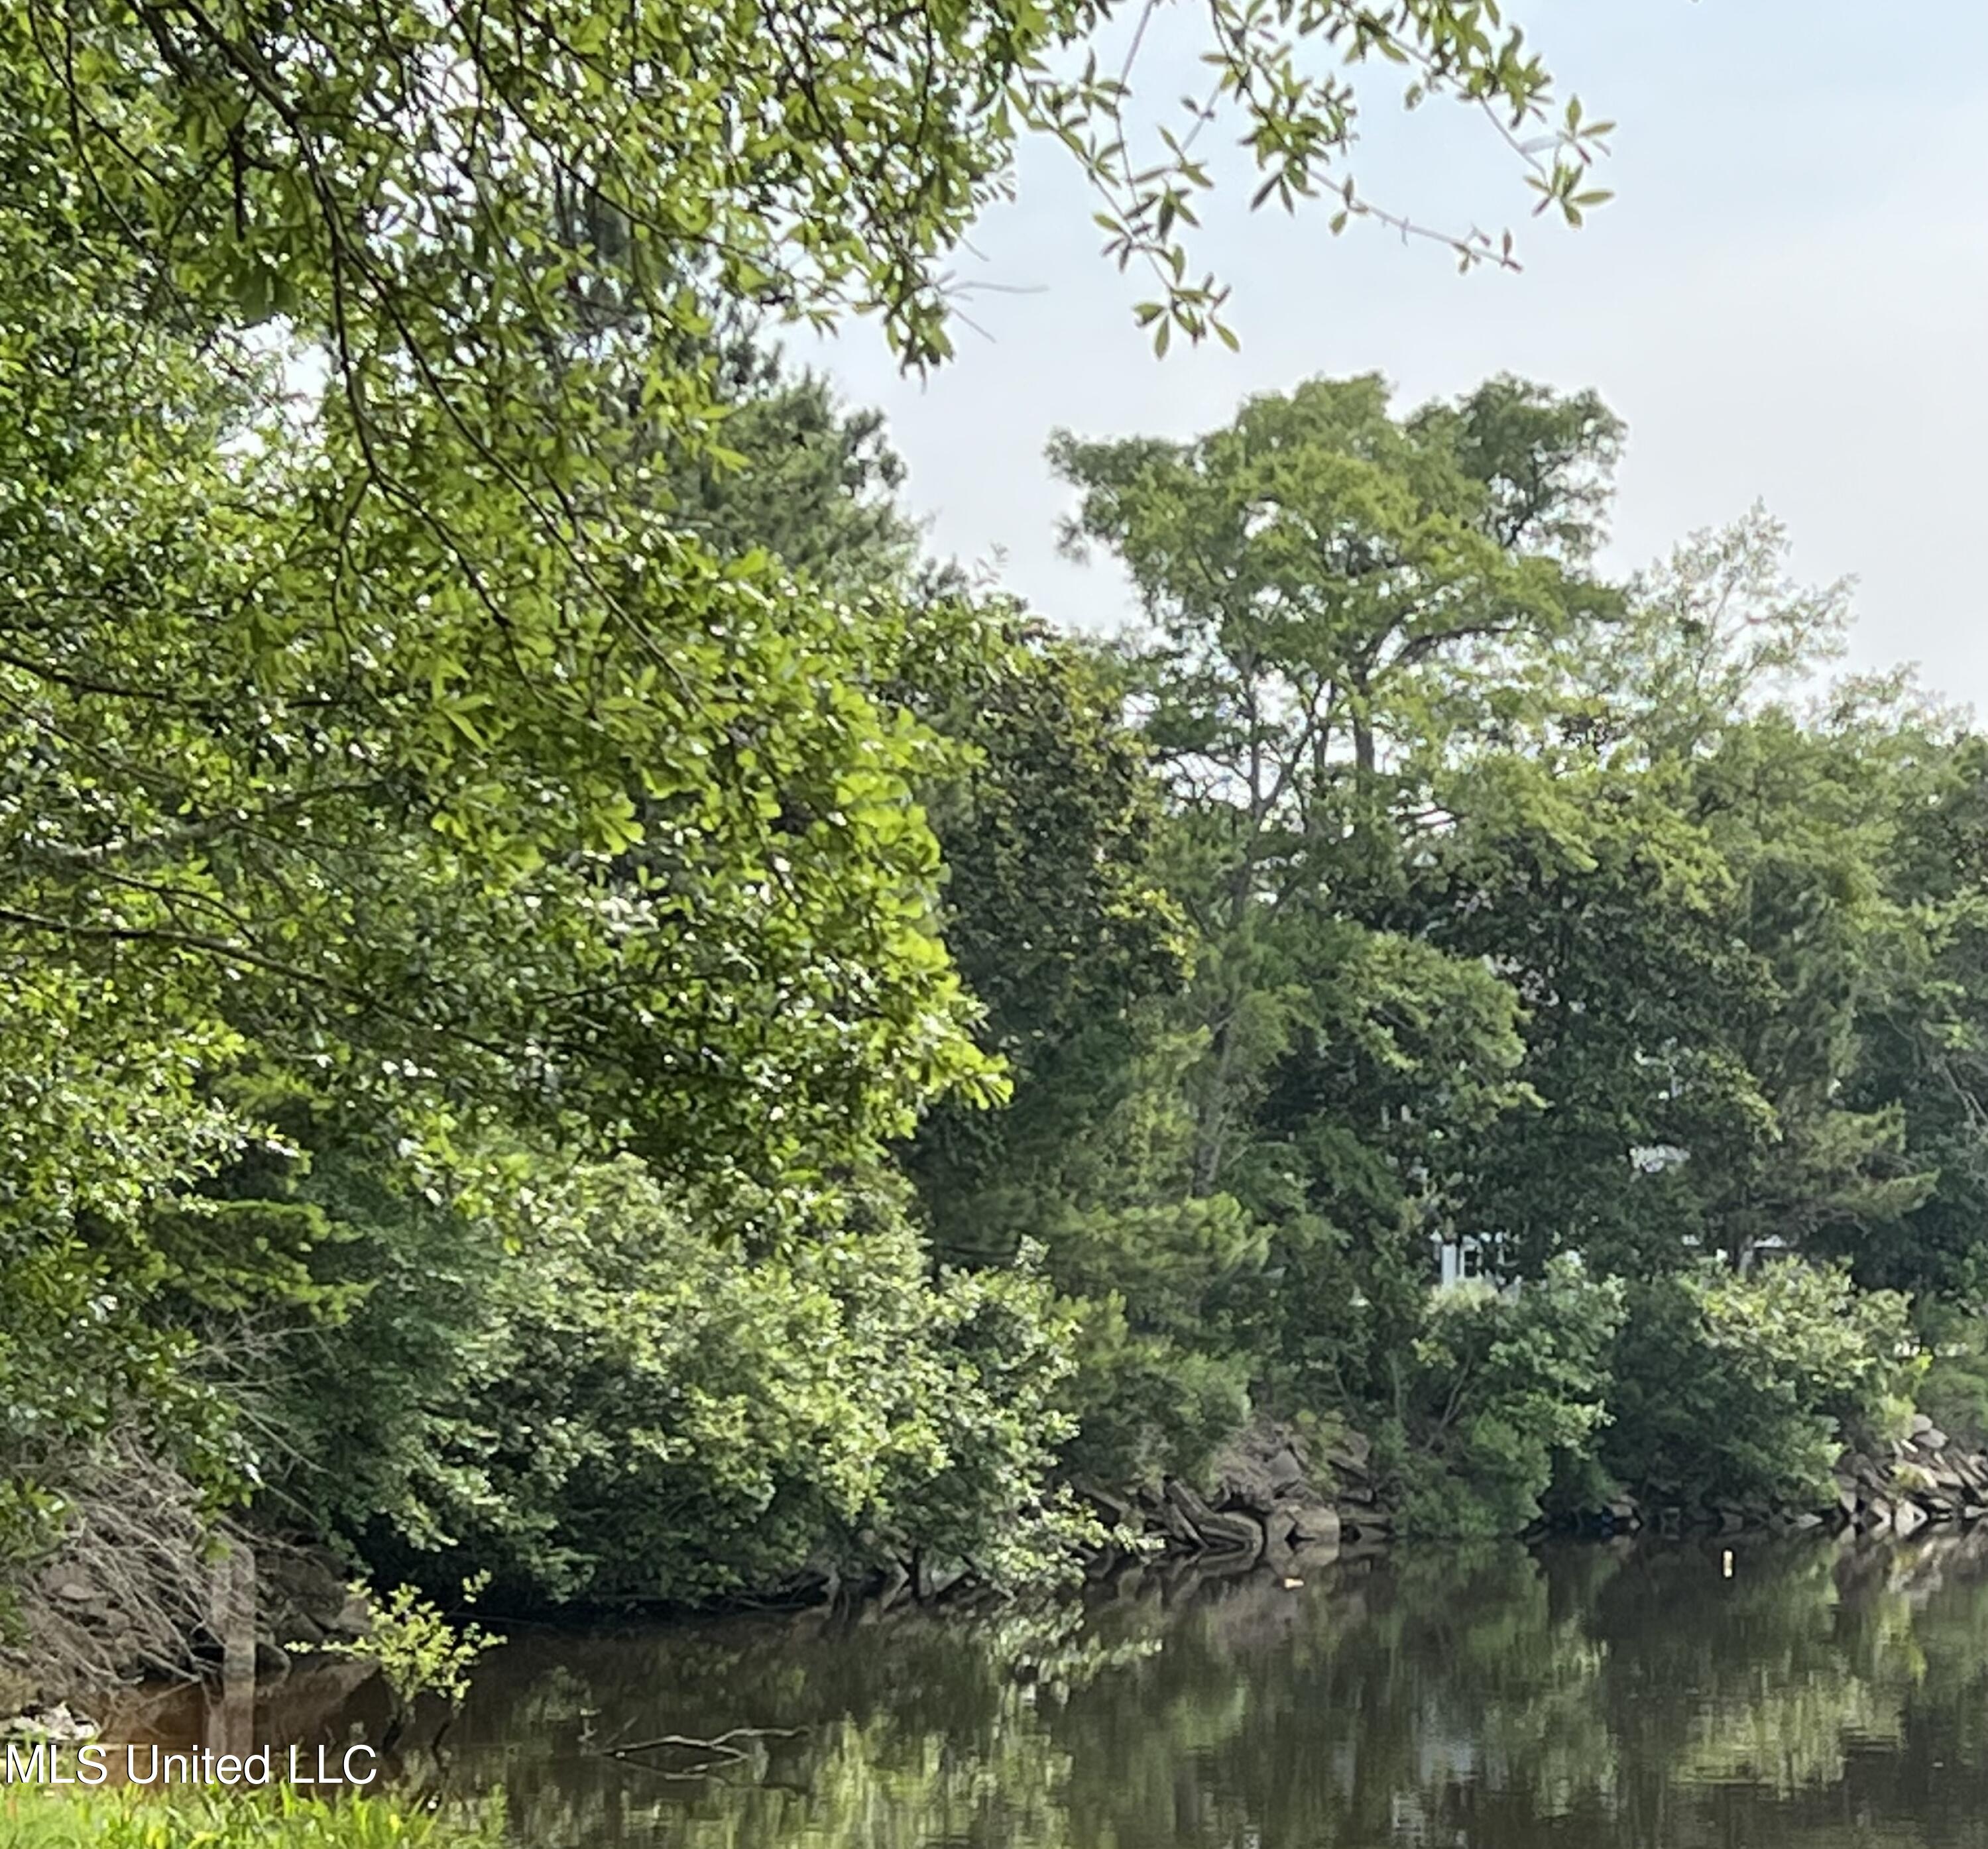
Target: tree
1687,883
1336,603
1055,914
1345,610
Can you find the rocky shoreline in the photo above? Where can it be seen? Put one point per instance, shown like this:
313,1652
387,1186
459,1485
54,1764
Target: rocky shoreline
1270,1498
1271,1501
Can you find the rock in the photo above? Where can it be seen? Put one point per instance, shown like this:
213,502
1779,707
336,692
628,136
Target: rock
1295,1528
1972,1511
1259,1467
1909,1518
1113,1509
1921,1423
75,1592
1313,1524
59,1725
1285,1470
1808,1519
1214,1531
929,1582
1172,1521
273,1661
1350,1454
352,1621
1233,1532
1877,1515
1930,1438
301,1594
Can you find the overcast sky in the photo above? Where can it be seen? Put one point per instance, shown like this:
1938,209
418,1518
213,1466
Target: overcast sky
1787,300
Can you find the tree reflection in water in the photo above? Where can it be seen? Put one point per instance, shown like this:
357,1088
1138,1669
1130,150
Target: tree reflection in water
1497,1699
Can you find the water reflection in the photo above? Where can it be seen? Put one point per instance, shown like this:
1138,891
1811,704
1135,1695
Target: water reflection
1498,1699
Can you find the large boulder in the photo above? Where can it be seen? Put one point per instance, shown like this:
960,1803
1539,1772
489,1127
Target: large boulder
1260,1466
1295,1532
1349,1455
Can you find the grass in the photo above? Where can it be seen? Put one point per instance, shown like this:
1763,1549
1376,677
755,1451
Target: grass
31,1817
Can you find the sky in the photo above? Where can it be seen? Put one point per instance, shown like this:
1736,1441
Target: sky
1787,300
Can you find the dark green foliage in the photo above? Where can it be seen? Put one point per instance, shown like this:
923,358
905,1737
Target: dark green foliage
1954,1392
1746,1388
601,1391
568,1005
1501,1394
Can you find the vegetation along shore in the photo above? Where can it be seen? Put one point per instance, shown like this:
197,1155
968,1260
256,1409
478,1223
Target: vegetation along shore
580,1017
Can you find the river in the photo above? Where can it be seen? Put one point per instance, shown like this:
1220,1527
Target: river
1656,1694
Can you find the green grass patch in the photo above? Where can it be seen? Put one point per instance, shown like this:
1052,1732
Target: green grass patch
32,1817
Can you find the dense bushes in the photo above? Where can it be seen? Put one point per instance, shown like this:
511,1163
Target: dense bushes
1746,1388
1498,1394
1708,1386
604,1389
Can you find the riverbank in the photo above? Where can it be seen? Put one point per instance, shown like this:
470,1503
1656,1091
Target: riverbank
1271,1495
1272,1500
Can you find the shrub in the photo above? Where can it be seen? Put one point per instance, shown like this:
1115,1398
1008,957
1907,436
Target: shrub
613,1391
1954,1392
1498,1389
1146,1406
1745,1388
418,1650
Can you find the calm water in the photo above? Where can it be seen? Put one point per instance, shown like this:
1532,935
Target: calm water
1586,1695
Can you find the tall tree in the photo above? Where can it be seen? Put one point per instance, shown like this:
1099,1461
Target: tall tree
1341,603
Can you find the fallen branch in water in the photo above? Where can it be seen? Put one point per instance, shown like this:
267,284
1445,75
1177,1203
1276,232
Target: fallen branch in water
721,1749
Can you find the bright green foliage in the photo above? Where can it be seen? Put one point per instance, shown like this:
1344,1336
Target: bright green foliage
223,837
1690,898
520,897
1532,913
418,1650
1343,607
394,694
36,1818
1501,1394
814,163
1747,1387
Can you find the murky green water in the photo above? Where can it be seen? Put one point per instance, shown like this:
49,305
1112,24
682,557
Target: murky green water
1587,1695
